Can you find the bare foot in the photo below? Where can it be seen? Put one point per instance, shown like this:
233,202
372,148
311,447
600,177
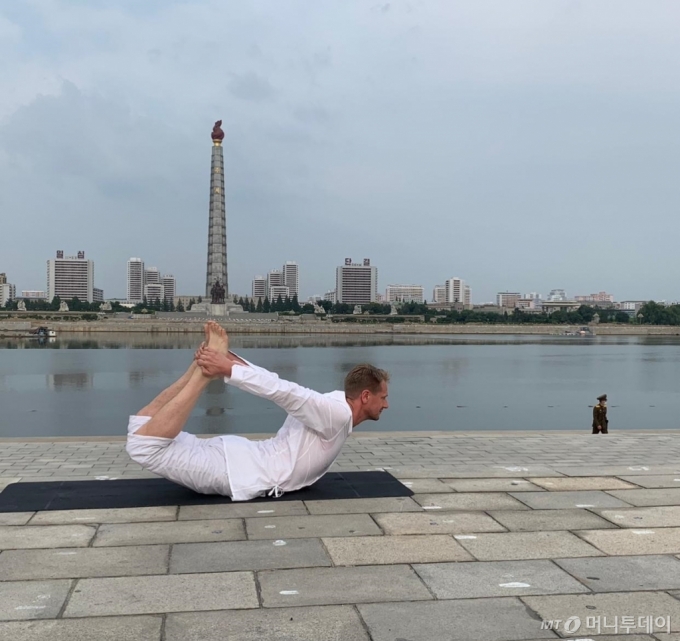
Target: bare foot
218,339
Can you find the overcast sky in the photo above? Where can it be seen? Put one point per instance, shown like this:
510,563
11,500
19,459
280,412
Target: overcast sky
521,145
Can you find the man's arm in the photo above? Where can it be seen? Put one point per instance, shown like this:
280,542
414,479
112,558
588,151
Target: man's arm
315,410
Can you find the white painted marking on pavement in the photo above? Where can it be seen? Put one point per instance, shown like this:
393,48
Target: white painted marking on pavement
432,507
584,505
279,542
643,531
265,511
464,536
30,607
514,584
287,592
269,527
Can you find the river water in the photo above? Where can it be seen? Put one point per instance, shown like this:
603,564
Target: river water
77,386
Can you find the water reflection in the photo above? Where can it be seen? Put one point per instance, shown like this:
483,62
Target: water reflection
77,380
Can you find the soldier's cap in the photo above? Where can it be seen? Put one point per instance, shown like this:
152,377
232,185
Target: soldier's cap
602,398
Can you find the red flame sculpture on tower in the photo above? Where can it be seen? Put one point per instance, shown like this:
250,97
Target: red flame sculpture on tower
217,133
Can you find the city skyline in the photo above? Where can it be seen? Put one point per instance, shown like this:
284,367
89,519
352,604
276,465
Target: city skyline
520,145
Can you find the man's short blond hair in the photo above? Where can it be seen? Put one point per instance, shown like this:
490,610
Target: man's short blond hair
364,377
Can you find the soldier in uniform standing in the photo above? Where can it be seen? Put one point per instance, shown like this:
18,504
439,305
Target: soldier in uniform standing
600,421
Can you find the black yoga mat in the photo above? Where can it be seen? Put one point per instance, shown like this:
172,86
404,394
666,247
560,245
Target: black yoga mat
82,495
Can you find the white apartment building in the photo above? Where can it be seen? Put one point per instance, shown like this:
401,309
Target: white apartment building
404,294
467,299
278,290
33,294
454,290
7,292
152,276
135,280
557,295
97,295
70,277
291,278
356,284
508,299
169,287
259,288
274,279
602,297
439,294
331,296
153,292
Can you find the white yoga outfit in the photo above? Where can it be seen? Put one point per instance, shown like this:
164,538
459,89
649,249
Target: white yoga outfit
302,451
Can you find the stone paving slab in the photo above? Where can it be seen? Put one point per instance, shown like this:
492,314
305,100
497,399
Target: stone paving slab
437,523
625,573
341,585
496,578
242,510
165,593
247,555
526,545
145,628
494,619
569,500
478,501
5,481
566,484
45,536
288,527
21,600
364,506
73,563
618,470
628,604
643,498
471,471
373,550
323,623
547,520
126,515
630,542
430,486
664,516
490,485
15,518
655,481
169,532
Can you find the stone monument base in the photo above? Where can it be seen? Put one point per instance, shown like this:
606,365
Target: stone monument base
216,309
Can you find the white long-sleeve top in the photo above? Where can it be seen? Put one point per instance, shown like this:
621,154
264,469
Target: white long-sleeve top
303,449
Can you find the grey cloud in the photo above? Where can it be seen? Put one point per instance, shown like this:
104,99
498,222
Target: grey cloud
251,87
312,115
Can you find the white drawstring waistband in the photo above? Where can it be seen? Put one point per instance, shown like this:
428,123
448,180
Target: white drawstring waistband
276,491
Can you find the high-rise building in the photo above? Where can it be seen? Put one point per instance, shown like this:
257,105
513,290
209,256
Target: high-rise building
468,296
356,284
217,218
97,295
274,279
7,292
135,280
454,290
169,287
259,290
291,278
331,296
602,297
152,276
439,294
507,299
70,277
404,294
3,279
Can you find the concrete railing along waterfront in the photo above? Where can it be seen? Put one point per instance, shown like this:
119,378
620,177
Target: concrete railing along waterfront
325,327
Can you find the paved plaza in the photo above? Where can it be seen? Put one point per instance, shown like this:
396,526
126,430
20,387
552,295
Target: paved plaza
508,536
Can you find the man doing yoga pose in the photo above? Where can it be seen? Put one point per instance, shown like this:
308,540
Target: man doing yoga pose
302,451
